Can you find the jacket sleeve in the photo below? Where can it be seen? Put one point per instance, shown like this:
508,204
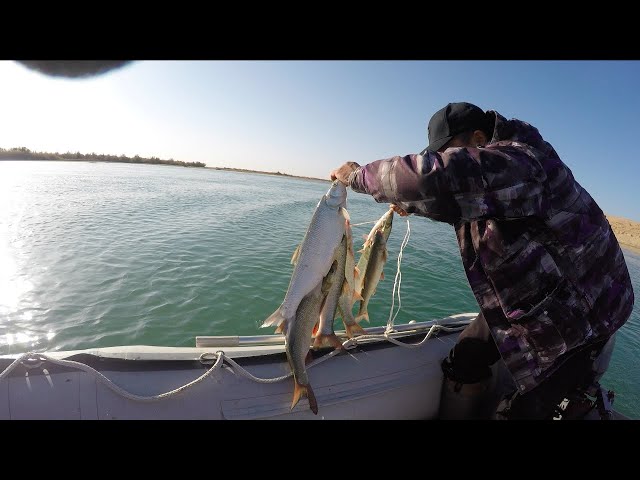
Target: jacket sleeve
503,180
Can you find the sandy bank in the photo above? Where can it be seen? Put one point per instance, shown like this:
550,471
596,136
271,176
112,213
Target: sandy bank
627,231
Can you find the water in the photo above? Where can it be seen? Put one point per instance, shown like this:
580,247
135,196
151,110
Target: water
99,254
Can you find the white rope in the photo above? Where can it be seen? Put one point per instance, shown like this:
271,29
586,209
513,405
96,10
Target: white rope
363,223
220,358
398,282
434,328
243,372
41,358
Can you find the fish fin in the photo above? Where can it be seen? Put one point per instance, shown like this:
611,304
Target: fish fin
276,318
298,391
381,275
296,254
385,255
360,251
345,214
356,272
282,328
315,329
357,296
362,315
330,340
354,330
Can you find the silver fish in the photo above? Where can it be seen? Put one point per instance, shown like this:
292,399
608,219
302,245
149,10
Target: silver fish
349,294
298,335
373,273
384,224
325,336
345,310
314,256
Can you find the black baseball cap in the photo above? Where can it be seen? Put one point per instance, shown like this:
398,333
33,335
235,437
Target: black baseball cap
451,120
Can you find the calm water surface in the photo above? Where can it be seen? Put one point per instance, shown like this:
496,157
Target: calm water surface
99,254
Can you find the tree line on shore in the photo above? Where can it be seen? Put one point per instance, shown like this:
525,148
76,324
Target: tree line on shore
22,153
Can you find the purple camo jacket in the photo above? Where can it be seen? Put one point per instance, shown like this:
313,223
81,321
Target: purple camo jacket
539,254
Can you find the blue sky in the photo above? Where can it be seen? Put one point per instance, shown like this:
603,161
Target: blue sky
308,117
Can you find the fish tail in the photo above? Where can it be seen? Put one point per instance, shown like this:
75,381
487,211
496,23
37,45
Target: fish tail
282,328
299,391
356,296
354,330
363,314
330,340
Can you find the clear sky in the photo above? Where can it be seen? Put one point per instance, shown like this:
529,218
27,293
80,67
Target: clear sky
308,117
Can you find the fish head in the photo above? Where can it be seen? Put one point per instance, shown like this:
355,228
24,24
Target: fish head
387,221
337,195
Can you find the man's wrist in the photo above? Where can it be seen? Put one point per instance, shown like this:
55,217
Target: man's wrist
352,175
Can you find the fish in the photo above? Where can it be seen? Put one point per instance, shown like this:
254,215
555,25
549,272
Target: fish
314,256
324,335
349,294
340,297
350,262
298,336
373,272
384,223
345,310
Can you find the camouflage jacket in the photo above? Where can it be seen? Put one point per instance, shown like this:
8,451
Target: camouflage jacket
539,254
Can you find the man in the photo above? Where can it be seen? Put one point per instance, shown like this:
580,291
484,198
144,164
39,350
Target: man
542,261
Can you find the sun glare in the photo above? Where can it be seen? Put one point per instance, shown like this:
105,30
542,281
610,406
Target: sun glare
12,287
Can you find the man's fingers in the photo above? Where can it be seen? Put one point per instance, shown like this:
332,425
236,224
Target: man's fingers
400,211
342,174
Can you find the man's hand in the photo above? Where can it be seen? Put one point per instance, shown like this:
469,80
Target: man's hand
398,210
342,173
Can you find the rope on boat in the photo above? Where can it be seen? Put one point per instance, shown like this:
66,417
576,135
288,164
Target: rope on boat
32,360
398,281
40,358
362,223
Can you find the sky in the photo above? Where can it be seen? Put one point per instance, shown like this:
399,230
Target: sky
309,117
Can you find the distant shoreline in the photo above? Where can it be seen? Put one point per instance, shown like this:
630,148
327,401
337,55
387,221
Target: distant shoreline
24,154
626,231
277,174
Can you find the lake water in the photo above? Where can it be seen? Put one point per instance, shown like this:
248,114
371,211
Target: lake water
104,254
